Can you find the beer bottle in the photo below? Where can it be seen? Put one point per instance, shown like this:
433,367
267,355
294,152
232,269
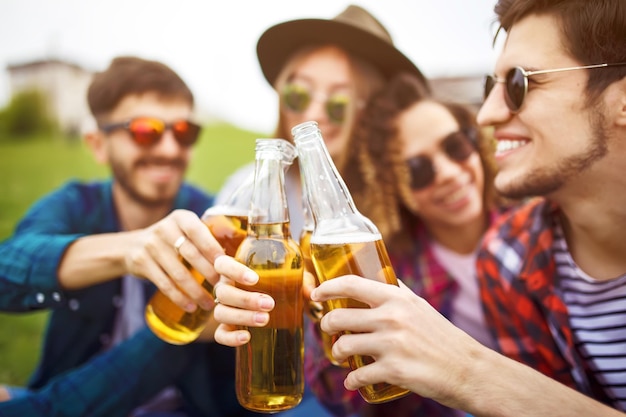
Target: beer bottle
228,223
344,241
316,310
270,368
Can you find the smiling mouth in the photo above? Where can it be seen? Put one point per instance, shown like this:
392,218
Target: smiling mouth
503,146
161,172
455,196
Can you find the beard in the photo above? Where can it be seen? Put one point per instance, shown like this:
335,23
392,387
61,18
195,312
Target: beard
544,181
161,196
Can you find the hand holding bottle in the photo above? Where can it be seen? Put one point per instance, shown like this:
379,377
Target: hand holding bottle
228,224
153,253
411,341
343,241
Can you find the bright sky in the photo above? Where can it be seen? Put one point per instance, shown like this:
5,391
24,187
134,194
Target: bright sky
211,43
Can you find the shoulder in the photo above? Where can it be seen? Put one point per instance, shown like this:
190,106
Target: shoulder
75,194
529,217
517,237
74,186
193,198
233,181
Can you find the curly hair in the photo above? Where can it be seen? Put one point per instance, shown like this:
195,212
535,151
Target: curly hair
378,176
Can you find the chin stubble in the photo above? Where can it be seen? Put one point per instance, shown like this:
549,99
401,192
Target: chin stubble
547,180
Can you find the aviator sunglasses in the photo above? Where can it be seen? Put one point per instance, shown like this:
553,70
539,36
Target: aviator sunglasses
516,83
458,146
148,131
298,98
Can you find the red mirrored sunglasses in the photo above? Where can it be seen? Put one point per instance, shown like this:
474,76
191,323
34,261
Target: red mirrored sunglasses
148,131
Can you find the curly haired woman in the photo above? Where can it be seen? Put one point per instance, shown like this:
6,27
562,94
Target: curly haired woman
423,173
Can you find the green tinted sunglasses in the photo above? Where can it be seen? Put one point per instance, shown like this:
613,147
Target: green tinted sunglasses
298,98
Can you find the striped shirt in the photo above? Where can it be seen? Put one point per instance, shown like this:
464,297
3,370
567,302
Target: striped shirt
535,314
597,315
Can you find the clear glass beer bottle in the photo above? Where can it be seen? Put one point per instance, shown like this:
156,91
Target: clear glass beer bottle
316,310
270,368
228,222
343,241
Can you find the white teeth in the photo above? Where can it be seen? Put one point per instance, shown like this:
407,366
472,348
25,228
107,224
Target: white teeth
508,145
457,195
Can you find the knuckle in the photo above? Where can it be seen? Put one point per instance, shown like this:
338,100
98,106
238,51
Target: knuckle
331,320
218,316
340,348
167,288
137,257
179,275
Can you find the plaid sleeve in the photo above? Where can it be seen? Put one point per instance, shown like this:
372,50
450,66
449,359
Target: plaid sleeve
515,273
29,259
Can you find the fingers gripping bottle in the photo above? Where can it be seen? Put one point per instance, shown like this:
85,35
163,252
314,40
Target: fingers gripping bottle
344,241
270,368
228,223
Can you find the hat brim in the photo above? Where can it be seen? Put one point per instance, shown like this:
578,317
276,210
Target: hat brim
279,42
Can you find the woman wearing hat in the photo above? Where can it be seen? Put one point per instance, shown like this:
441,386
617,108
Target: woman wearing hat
324,70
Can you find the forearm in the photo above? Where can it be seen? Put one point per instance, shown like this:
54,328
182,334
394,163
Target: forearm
94,259
496,386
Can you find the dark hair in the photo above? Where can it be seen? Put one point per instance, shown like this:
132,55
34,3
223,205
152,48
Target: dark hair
380,181
593,32
131,75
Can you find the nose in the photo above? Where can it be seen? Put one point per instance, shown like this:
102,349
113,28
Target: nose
446,169
494,109
317,109
168,145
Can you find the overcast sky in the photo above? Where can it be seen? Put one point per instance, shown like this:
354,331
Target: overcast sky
211,43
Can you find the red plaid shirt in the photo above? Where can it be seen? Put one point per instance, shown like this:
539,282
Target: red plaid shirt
528,319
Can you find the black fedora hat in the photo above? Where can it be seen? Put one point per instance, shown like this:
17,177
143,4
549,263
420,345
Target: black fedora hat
354,30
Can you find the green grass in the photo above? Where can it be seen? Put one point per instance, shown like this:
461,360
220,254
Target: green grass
31,167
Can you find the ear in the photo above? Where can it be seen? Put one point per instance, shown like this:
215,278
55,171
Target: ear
621,103
96,142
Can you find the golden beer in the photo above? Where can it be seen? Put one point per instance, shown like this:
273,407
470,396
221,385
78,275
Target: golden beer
170,322
365,255
270,368
327,340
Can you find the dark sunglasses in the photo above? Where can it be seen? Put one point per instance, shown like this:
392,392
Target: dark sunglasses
148,131
298,98
516,83
458,146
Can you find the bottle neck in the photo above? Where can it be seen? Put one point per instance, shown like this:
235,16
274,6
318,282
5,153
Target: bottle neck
309,222
326,192
269,201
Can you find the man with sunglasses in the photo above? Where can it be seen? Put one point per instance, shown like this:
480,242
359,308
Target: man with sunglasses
553,272
91,253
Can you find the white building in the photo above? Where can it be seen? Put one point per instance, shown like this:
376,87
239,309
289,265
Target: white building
463,89
63,83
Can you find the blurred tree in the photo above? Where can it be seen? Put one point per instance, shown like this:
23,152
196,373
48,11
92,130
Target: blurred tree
26,115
